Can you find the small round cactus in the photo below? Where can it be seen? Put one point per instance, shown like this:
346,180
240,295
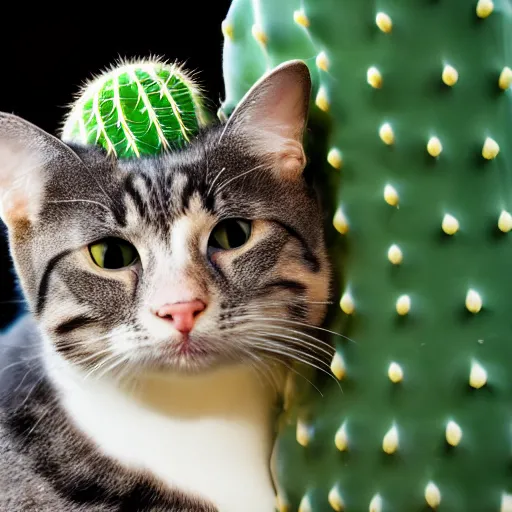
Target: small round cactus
135,109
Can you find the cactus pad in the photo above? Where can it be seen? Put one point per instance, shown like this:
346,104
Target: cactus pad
137,109
412,146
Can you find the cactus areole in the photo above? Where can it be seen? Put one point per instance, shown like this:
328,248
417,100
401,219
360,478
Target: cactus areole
136,109
413,152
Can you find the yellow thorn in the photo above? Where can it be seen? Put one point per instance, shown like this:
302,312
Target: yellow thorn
335,500
338,366
321,100
334,158
484,8
434,147
341,439
386,134
347,303
450,75
281,504
390,441
300,18
303,433
491,149
450,224
395,255
453,433
395,373
340,222
506,503
505,80
473,301
305,504
376,504
390,195
322,62
384,22
259,35
432,495
374,78
403,305
505,222
477,376
227,30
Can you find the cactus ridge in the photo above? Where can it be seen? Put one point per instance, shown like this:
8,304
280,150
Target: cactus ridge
416,102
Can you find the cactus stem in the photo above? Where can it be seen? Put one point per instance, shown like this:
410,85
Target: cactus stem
395,255
341,439
374,77
484,8
453,433
384,22
335,500
347,303
340,222
322,61
321,101
395,373
334,158
386,134
403,305
450,75
303,433
505,222
473,301
376,504
434,147
477,376
338,366
432,495
505,80
450,224
390,441
391,195
491,149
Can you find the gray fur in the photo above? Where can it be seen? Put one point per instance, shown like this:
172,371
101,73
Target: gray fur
87,195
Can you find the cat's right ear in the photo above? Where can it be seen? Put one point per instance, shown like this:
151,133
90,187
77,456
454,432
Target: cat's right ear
272,117
27,156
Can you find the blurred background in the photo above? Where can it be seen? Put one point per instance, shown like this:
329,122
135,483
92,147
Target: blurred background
47,53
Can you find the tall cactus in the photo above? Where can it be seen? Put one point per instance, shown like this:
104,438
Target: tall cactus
415,108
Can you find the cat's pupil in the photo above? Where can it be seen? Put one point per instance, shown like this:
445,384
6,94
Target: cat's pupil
113,257
112,253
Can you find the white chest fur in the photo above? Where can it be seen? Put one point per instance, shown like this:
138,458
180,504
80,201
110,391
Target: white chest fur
209,435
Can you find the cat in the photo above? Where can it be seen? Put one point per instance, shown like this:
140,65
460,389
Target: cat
166,295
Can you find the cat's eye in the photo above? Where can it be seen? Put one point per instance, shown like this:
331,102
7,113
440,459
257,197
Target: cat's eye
230,234
113,253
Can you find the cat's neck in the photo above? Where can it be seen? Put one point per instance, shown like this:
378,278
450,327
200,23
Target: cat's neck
208,434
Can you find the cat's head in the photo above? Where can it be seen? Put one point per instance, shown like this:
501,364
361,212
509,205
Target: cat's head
187,260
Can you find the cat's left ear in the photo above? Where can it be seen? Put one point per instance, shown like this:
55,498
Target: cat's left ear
272,117
28,158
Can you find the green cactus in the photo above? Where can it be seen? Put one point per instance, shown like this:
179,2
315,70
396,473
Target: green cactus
136,109
412,144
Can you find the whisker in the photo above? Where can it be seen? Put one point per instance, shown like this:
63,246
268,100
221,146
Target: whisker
230,180
214,180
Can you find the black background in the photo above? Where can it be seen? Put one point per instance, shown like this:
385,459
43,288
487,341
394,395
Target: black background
48,52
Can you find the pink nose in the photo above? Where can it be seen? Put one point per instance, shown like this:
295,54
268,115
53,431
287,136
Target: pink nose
182,315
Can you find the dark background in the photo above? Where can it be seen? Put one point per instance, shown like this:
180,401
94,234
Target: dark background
46,54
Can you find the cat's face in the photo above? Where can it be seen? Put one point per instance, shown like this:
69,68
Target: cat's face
210,255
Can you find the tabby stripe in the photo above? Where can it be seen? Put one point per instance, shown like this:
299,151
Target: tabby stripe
287,283
309,258
75,323
135,196
43,285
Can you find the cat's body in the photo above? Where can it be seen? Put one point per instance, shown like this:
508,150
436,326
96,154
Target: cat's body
158,289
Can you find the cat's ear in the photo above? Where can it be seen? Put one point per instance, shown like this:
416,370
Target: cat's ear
28,156
272,117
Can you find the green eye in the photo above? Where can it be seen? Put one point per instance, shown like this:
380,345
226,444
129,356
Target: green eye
230,234
113,253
